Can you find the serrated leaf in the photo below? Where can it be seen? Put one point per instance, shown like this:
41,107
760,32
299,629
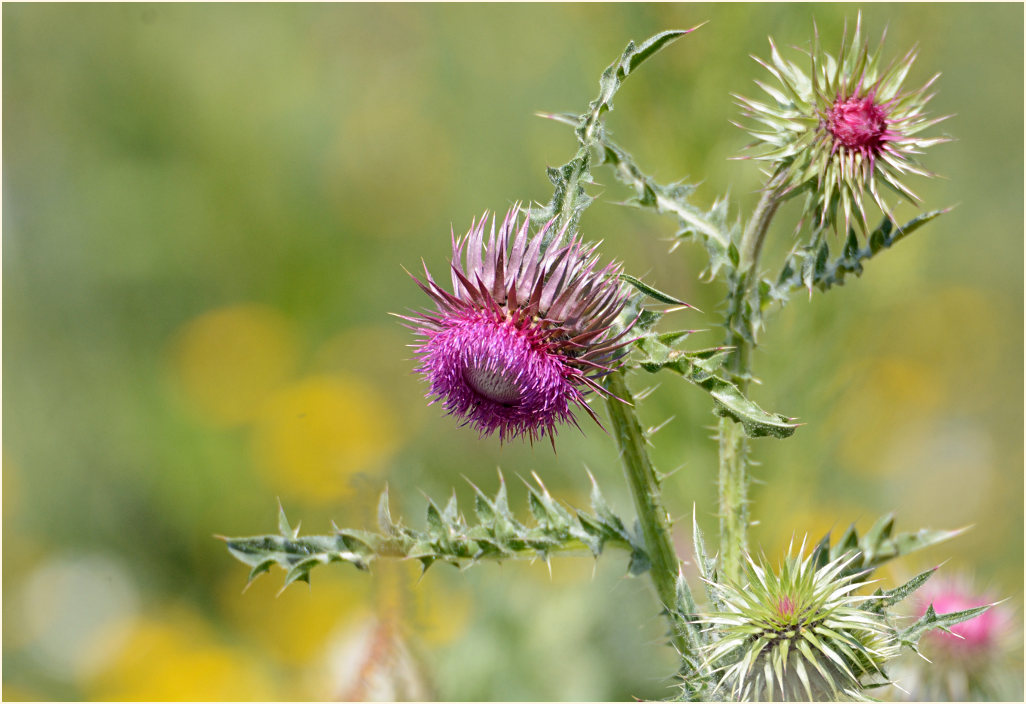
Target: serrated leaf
299,573
447,537
283,524
879,545
706,564
639,564
821,553
712,227
728,399
385,524
451,513
849,541
890,597
434,519
536,506
810,266
569,198
261,567
875,542
932,620
614,76
924,538
483,508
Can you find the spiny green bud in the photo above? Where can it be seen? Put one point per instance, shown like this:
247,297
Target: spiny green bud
841,132
800,634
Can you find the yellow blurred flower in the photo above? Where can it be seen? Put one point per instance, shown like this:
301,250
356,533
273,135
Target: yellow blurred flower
294,626
314,435
441,611
890,391
18,693
177,658
227,361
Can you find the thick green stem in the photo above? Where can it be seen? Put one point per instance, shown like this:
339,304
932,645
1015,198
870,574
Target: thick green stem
755,233
733,474
733,498
644,485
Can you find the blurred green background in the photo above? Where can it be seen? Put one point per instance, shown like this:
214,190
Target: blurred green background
205,210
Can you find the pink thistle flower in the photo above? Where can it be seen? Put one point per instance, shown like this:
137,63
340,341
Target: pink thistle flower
976,661
524,334
978,636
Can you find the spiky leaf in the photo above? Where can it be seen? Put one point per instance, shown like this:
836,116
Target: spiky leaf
699,368
930,620
447,536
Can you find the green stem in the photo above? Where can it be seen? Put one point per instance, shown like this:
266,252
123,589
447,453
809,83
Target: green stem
733,482
733,474
644,485
755,233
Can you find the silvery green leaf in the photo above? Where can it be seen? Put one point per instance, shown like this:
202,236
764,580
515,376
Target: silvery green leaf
497,535
880,545
910,636
729,401
569,198
711,227
810,266
651,291
614,76
890,597
385,524
706,564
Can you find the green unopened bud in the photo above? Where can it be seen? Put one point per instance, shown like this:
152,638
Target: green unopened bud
800,634
842,132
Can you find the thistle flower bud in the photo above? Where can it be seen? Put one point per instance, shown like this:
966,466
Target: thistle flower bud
844,130
524,334
797,635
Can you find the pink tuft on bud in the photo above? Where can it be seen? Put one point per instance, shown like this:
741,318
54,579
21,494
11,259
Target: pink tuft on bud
786,606
858,124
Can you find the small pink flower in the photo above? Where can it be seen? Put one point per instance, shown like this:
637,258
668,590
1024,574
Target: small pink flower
525,333
976,636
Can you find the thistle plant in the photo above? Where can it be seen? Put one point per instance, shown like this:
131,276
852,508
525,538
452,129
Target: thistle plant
536,325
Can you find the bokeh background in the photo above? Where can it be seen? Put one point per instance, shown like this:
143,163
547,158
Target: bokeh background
205,213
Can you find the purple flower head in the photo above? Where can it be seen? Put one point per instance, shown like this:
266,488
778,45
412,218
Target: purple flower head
525,332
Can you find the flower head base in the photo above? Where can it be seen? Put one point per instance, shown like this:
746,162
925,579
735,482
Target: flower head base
843,131
797,635
524,334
